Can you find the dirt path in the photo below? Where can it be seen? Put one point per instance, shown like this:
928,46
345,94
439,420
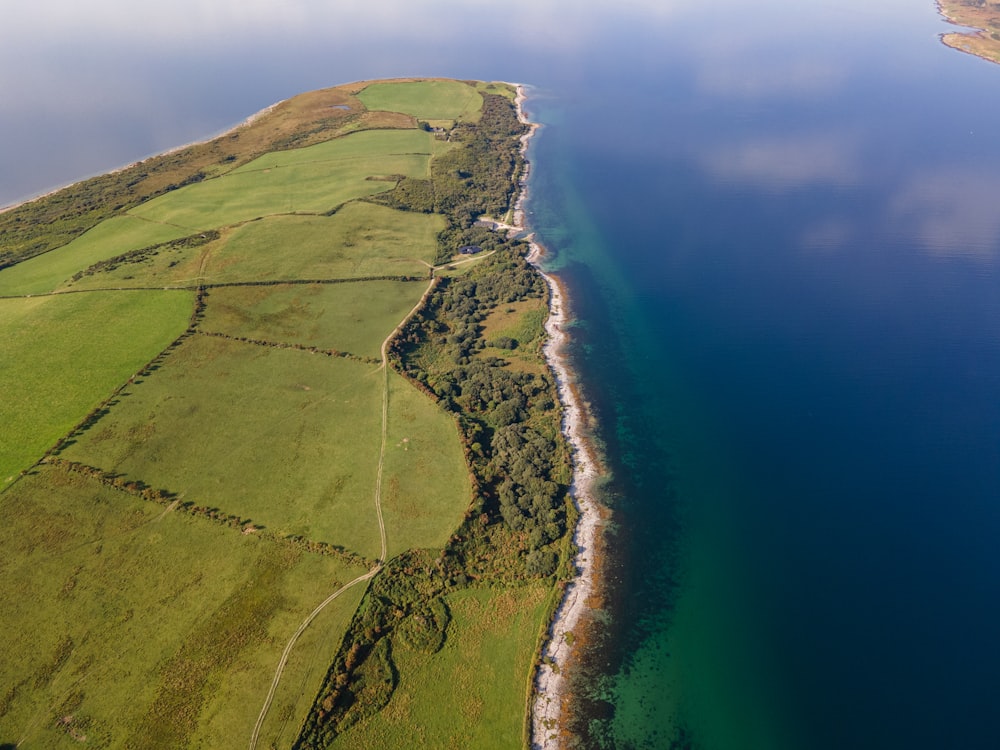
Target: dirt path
384,367
255,736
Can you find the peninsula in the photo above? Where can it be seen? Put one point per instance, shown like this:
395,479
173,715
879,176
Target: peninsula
285,461
983,15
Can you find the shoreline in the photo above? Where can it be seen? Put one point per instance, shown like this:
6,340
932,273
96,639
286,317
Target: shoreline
243,123
551,694
976,39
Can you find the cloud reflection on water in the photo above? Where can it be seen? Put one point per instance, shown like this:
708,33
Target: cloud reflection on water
951,212
778,164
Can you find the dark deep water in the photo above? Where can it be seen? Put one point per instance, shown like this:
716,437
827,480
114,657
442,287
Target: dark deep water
780,229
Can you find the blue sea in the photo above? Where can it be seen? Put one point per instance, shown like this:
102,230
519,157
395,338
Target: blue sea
779,224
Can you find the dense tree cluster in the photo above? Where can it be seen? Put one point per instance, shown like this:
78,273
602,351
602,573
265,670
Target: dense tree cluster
478,177
516,528
403,608
509,416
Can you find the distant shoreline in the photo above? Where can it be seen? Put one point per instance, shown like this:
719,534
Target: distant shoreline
550,709
983,40
242,123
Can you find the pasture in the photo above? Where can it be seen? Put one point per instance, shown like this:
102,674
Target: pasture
473,692
287,438
360,240
147,623
427,488
425,100
64,354
351,317
315,179
115,236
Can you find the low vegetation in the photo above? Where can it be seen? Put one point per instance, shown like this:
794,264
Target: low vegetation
143,622
351,318
207,444
63,355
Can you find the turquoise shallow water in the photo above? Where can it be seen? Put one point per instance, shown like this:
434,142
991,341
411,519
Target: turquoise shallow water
787,299
778,227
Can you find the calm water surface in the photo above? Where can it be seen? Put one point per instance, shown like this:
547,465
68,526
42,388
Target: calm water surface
779,227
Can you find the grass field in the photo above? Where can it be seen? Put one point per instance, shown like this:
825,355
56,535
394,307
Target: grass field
427,488
315,179
425,100
520,321
351,317
44,273
62,355
473,692
170,264
144,623
286,438
360,240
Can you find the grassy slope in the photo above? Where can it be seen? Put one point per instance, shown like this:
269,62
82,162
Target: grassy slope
63,354
427,487
465,695
351,317
312,180
359,240
426,100
113,237
189,610
286,438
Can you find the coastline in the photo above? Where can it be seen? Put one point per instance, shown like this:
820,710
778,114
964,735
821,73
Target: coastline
977,39
232,129
549,702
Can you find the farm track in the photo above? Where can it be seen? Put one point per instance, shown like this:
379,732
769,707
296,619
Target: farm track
384,367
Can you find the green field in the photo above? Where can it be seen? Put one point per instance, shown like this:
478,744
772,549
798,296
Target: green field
44,273
426,100
144,623
62,355
350,317
286,438
315,179
427,486
472,693
358,241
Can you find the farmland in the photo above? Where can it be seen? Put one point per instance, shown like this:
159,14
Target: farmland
230,493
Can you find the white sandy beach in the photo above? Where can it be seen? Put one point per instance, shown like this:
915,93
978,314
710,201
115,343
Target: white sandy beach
551,689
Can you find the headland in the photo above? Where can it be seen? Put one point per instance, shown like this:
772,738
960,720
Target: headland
983,18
